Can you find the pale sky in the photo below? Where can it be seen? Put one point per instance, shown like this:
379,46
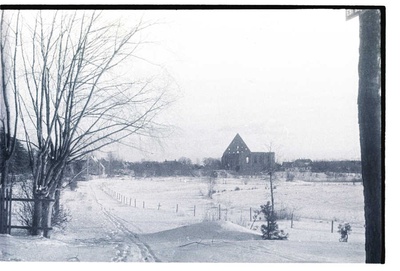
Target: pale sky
286,78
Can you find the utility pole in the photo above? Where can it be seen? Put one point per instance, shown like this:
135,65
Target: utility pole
370,87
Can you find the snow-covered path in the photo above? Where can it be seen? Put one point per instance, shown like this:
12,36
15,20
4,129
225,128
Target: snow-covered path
129,238
95,225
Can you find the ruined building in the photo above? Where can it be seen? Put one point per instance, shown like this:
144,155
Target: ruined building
239,158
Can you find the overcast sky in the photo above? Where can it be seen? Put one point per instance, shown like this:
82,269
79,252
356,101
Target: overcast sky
286,78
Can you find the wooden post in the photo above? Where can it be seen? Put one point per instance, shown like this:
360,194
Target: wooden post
194,210
130,201
332,227
219,211
143,204
9,211
135,203
159,205
250,215
291,221
177,207
1,211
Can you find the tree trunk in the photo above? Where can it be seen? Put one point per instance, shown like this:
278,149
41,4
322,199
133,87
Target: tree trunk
37,215
56,206
369,114
46,222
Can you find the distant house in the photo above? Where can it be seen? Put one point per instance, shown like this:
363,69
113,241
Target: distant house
239,158
287,166
301,165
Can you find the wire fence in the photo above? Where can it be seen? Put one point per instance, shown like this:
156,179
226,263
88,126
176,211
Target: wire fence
248,217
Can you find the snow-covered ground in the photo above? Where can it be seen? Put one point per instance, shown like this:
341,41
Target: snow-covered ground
172,220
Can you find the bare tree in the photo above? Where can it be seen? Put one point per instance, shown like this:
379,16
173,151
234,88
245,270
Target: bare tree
76,99
8,107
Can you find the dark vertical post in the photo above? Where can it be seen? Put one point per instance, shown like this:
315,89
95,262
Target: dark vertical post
291,221
272,192
219,211
371,87
332,227
194,210
1,210
9,211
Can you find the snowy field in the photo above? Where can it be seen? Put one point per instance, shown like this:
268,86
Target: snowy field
173,220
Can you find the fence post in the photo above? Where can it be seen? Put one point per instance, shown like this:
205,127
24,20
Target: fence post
135,203
130,201
177,206
219,211
194,210
250,215
10,210
291,221
159,205
1,210
332,227
143,204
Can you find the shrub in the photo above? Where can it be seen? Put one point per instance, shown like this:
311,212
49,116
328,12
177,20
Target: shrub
289,177
284,213
344,230
210,187
25,209
270,231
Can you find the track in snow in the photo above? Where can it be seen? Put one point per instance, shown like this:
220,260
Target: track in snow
124,249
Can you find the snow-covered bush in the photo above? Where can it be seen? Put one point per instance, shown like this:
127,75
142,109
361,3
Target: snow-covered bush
344,230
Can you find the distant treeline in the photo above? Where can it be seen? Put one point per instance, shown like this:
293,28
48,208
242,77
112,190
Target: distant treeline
112,166
346,166
180,167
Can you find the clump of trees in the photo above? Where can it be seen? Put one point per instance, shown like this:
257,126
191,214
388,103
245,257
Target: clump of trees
181,167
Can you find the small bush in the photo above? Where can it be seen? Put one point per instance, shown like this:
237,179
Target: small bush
289,177
237,188
73,185
344,230
283,213
210,187
270,231
25,209
61,218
